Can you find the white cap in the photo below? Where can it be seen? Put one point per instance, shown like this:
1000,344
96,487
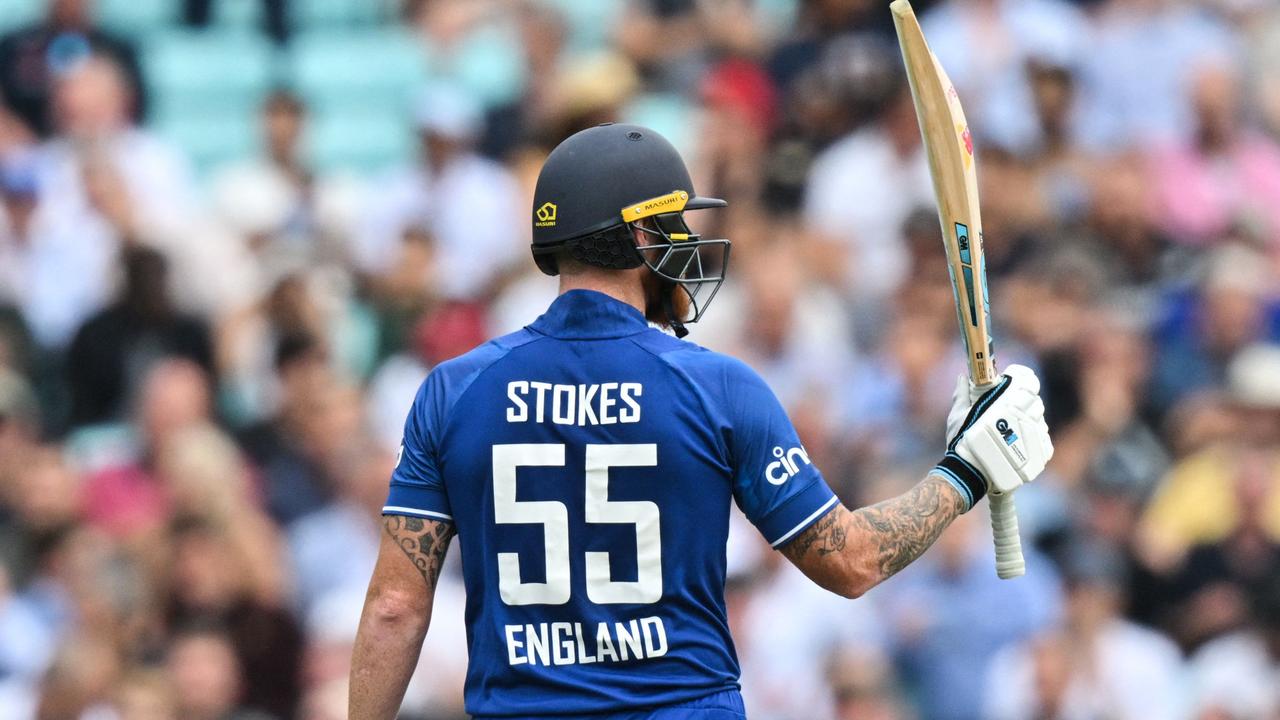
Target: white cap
1254,376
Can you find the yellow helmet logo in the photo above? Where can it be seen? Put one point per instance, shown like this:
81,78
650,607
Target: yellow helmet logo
546,214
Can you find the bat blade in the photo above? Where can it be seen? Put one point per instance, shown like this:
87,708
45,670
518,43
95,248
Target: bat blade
949,147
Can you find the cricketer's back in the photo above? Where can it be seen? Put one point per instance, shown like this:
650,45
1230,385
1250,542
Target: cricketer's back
588,463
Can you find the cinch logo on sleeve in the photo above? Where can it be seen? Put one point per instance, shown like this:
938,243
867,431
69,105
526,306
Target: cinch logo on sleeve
785,467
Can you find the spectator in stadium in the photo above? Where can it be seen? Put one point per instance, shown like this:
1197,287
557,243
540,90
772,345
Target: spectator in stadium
951,615
33,59
1225,176
211,587
778,619
333,549
291,216
114,349
883,164
1140,63
865,688
467,202
1233,307
1231,488
208,678
38,251
1234,677
100,163
1095,664
129,498
988,46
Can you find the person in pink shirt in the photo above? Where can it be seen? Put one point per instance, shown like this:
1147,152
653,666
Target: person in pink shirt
129,498
1226,177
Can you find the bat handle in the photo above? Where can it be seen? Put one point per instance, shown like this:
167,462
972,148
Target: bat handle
1004,528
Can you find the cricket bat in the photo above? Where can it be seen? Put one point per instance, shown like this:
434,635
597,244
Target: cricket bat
949,146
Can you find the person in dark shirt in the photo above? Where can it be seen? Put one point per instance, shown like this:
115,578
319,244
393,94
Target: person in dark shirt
31,59
112,350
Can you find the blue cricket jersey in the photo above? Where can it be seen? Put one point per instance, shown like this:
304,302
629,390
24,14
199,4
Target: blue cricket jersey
588,463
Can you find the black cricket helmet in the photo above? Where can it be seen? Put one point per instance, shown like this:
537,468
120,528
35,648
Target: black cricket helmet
604,183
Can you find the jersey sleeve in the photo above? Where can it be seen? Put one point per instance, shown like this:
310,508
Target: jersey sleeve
775,483
417,487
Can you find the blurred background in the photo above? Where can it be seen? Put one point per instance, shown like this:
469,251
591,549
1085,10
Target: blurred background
236,234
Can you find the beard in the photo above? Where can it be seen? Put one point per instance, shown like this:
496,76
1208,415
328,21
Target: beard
656,293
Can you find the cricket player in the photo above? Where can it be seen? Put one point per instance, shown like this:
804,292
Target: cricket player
587,464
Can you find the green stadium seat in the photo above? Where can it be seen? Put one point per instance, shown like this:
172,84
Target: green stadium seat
589,22
238,15
17,13
359,139
372,68
209,68
312,14
667,113
210,138
490,66
138,17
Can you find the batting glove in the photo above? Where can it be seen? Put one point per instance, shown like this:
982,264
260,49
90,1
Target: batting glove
999,441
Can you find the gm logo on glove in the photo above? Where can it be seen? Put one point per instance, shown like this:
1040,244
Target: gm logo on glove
1010,437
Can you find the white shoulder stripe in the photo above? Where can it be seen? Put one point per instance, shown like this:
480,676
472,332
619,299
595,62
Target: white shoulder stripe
397,510
805,522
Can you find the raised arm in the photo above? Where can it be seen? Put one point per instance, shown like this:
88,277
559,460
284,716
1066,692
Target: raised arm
850,552
998,442
397,611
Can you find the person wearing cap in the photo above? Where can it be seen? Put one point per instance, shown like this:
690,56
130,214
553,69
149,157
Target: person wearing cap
1208,496
588,463
39,251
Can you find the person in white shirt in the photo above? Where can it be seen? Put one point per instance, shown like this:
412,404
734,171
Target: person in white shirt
1237,676
471,206
1096,665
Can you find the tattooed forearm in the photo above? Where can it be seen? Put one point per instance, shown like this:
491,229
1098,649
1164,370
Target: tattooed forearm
424,542
826,536
850,552
901,529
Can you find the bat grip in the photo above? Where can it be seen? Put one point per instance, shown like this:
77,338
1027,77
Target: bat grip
1004,529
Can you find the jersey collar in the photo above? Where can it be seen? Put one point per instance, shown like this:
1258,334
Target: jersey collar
587,314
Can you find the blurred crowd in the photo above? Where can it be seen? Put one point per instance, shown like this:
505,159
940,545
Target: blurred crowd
203,374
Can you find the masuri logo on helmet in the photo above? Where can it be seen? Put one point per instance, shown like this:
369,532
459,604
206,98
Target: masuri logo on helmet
546,214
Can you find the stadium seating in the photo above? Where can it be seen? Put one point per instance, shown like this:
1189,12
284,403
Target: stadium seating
138,17
16,13
378,67
206,88
359,138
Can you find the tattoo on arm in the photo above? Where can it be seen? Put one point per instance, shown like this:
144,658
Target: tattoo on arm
892,534
902,528
827,536
423,542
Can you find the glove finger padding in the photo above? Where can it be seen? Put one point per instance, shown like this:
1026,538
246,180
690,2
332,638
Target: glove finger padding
962,399
1004,437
